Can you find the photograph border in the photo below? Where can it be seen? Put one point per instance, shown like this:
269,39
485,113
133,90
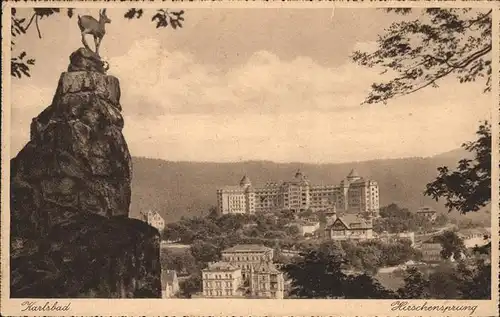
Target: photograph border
248,307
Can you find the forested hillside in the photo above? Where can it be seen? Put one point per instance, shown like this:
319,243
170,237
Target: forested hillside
179,189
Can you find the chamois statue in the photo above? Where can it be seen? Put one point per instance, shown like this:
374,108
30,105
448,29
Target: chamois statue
89,25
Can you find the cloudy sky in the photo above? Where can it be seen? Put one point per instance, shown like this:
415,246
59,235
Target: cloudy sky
253,84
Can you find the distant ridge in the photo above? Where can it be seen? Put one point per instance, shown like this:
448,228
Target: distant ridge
179,189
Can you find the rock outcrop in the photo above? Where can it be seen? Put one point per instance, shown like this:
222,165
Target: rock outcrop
70,196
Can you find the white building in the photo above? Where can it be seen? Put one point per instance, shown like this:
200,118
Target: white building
236,199
475,237
222,280
427,212
391,237
154,219
354,194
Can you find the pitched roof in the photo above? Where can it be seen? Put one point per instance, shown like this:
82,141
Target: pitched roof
426,210
246,248
352,222
266,267
353,174
245,181
232,188
361,180
220,266
299,174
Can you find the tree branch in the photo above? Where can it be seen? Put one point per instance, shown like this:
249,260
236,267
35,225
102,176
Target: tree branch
475,56
431,82
37,27
472,22
29,23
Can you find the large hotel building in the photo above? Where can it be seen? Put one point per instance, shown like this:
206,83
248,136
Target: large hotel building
354,194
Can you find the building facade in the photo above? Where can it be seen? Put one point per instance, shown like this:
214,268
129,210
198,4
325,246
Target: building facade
261,278
221,280
431,252
354,194
266,281
427,212
154,219
393,237
236,199
475,237
247,256
349,227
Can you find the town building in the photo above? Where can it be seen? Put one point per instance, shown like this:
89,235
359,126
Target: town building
246,256
222,280
392,237
154,219
261,277
236,199
427,212
475,237
349,227
431,252
266,281
169,283
353,194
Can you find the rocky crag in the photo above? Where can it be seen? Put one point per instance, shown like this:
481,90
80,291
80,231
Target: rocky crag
70,196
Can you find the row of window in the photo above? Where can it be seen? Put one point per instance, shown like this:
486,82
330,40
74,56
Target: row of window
220,276
219,292
209,284
246,258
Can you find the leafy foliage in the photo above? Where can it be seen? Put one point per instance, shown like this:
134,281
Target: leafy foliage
190,285
320,274
163,18
441,42
183,262
395,219
416,286
366,287
477,282
469,279
205,252
444,282
369,256
317,275
468,188
452,245
20,65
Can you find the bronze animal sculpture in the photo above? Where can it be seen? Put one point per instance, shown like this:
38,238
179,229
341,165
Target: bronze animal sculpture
89,25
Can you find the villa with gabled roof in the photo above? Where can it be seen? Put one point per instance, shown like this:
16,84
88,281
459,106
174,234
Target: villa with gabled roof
349,226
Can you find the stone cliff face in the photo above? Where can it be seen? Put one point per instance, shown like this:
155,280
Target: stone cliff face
70,196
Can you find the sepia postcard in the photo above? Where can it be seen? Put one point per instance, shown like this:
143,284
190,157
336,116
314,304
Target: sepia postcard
234,158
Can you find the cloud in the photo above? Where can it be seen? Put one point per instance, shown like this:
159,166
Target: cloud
178,108
175,83
283,110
